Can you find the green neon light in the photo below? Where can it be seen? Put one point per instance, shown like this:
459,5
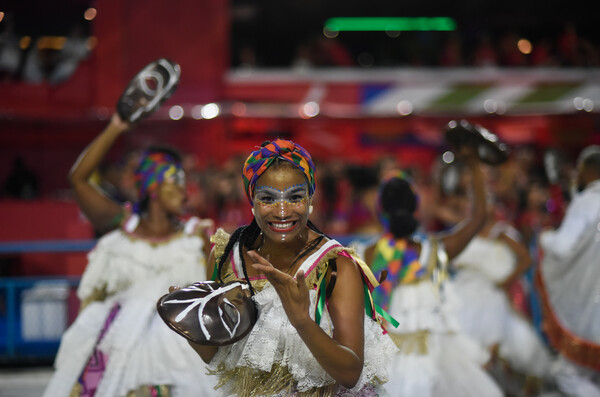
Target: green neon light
357,24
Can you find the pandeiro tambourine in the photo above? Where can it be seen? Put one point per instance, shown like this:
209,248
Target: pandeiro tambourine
490,149
209,312
148,89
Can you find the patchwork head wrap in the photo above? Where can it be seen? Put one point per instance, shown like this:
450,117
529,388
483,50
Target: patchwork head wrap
154,168
260,160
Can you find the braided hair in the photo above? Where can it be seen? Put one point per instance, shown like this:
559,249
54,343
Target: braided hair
247,235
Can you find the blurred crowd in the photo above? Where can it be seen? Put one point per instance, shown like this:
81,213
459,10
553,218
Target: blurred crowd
37,59
347,192
55,59
567,47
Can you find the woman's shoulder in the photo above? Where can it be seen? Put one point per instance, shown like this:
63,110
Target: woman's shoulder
219,239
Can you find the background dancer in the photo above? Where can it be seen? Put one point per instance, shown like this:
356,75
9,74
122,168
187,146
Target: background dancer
435,358
568,281
118,345
484,272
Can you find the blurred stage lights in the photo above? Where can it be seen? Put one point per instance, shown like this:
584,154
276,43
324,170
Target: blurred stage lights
524,46
207,112
90,14
585,104
330,34
493,106
448,157
25,42
404,108
176,112
389,24
309,109
238,109
210,111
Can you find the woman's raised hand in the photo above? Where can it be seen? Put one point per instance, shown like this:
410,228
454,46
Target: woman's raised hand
293,292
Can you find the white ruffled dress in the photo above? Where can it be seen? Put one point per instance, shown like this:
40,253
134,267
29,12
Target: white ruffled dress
486,313
142,350
435,358
273,349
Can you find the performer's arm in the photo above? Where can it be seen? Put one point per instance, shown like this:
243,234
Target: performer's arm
563,241
522,256
458,237
97,207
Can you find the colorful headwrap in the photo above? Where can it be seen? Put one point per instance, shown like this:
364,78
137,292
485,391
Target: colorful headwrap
259,160
153,169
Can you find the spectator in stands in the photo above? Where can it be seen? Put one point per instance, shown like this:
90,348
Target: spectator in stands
485,54
10,50
22,182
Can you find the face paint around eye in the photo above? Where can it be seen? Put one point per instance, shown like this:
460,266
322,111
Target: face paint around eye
176,178
268,196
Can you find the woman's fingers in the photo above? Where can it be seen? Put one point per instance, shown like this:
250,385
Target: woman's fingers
301,283
273,275
259,259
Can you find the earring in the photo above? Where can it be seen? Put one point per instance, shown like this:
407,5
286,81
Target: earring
252,211
310,209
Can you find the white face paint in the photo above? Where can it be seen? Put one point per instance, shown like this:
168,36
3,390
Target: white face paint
281,201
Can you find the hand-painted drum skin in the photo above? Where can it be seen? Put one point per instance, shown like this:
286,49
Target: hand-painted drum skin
209,312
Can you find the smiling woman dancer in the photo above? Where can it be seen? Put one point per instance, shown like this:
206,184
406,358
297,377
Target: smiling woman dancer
314,336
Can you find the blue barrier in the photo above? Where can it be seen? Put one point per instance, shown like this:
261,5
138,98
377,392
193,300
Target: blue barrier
13,345
17,247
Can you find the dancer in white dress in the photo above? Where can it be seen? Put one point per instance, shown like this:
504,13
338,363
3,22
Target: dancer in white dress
118,346
435,357
317,333
484,271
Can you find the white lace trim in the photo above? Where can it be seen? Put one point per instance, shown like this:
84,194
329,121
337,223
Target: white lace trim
118,261
274,341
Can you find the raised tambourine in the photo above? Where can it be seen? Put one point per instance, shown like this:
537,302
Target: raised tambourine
490,149
209,312
148,89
